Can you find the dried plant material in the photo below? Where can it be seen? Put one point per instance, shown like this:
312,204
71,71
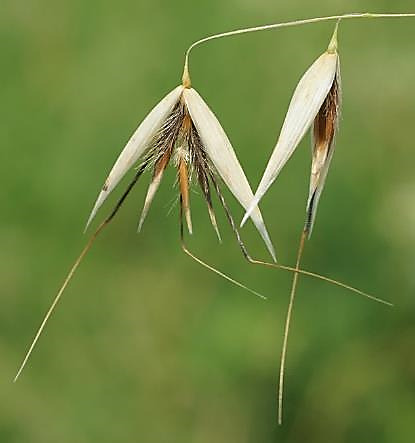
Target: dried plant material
309,96
324,132
182,126
185,130
137,145
223,157
170,132
327,96
159,168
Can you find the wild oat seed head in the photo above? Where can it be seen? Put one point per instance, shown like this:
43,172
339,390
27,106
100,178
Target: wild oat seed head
307,100
183,127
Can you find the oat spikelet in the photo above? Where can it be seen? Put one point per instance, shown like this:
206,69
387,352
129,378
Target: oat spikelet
181,126
324,132
305,104
318,93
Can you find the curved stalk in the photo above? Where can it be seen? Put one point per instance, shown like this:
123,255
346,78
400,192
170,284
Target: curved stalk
186,77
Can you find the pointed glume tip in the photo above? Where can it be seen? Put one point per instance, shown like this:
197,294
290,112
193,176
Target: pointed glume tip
249,211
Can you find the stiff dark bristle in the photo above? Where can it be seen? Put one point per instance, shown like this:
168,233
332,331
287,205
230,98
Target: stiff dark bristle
166,137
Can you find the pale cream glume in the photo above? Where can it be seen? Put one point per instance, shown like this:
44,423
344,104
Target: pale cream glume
181,129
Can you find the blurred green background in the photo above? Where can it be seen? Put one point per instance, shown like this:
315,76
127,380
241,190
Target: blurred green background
146,345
